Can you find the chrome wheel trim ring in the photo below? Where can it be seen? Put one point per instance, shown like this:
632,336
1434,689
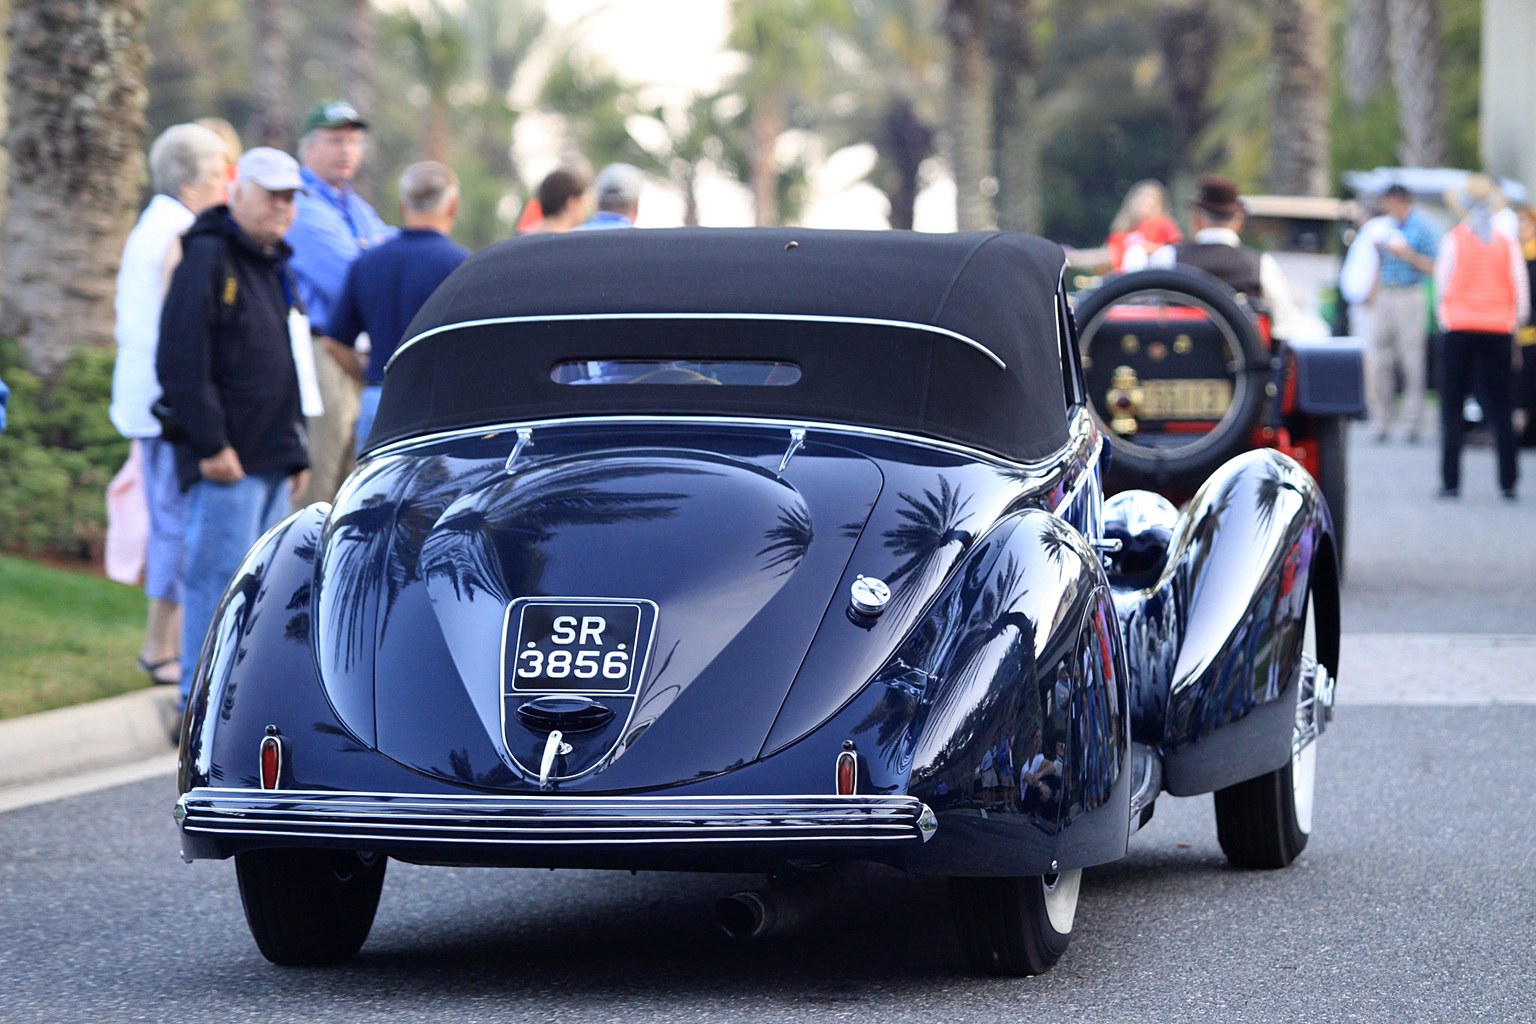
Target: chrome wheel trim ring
1304,757
1061,899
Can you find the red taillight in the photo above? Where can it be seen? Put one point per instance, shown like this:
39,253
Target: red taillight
847,773
271,761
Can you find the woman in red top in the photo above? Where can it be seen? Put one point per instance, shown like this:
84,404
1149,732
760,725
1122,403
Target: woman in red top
1141,227
1484,292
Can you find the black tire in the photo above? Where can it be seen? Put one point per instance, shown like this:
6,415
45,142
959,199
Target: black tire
309,907
1005,925
1256,822
1183,470
1333,475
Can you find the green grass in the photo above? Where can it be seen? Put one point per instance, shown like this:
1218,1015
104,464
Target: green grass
66,636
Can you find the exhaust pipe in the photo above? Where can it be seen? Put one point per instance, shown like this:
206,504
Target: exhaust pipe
785,907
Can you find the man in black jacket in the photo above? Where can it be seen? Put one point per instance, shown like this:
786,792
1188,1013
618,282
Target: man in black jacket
226,363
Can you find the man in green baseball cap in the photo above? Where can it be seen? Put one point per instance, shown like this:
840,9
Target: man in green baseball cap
333,114
334,224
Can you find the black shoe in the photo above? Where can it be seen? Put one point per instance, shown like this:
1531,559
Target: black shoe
1510,495
156,670
1448,492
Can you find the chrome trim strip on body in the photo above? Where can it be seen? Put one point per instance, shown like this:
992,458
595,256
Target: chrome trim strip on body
1040,466
1082,428
538,819
781,317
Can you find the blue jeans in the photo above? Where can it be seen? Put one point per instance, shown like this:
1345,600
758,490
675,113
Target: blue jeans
167,516
368,408
223,522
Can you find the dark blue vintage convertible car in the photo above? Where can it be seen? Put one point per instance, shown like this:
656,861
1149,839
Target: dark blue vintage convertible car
757,550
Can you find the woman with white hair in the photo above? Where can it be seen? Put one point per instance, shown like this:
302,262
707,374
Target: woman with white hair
189,167
1484,295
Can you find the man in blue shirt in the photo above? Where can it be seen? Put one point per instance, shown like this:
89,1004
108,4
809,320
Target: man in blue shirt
332,226
1401,312
618,198
387,285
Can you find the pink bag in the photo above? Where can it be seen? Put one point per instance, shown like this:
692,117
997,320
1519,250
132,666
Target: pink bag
127,521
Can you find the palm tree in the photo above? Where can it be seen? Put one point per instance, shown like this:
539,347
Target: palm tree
1365,50
1189,36
970,114
1418,77
783,41
899,85
434,39
269,115
1298,99
1015,128
76,104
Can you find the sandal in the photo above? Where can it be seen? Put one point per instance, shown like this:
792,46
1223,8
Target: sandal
152,669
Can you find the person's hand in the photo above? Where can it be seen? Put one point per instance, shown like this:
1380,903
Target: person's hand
1402,250
223,467
297,482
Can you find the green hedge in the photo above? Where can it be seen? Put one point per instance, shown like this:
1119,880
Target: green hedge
57,454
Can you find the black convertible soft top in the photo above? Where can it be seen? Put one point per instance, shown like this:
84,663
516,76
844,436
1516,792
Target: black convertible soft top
951,336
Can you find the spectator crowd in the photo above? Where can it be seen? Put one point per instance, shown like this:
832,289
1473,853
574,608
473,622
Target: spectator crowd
1470,287
259,300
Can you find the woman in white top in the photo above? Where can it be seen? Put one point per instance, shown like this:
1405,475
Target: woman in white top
189,165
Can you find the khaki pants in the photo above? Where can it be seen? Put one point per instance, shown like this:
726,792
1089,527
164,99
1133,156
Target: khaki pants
1397,339
331,445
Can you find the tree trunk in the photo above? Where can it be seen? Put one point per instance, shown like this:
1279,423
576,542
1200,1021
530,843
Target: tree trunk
357,82
690,182
907,141
270,116
1189,37
1416,73
970,117
1298,99
767,124
1365,50
76,104
362,34
1015,133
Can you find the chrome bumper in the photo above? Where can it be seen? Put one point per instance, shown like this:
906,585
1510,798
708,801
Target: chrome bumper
386,819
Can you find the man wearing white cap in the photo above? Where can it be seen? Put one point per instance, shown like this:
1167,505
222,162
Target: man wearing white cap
233,391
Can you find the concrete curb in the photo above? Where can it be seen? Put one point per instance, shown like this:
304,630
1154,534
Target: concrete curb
66,741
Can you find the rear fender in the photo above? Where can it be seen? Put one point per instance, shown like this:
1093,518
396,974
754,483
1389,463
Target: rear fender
258,669
1230,607
1019,657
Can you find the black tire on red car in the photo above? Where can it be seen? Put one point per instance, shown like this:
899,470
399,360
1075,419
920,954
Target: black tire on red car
1182,469
308,908
1006,924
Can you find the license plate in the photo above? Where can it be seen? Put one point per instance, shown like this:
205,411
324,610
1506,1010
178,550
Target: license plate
1185,399
567,646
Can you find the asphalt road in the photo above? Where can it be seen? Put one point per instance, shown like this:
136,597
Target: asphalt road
1415,901
1419,564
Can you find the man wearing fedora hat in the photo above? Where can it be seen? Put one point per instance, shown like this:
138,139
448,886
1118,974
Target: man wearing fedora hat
1216,213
